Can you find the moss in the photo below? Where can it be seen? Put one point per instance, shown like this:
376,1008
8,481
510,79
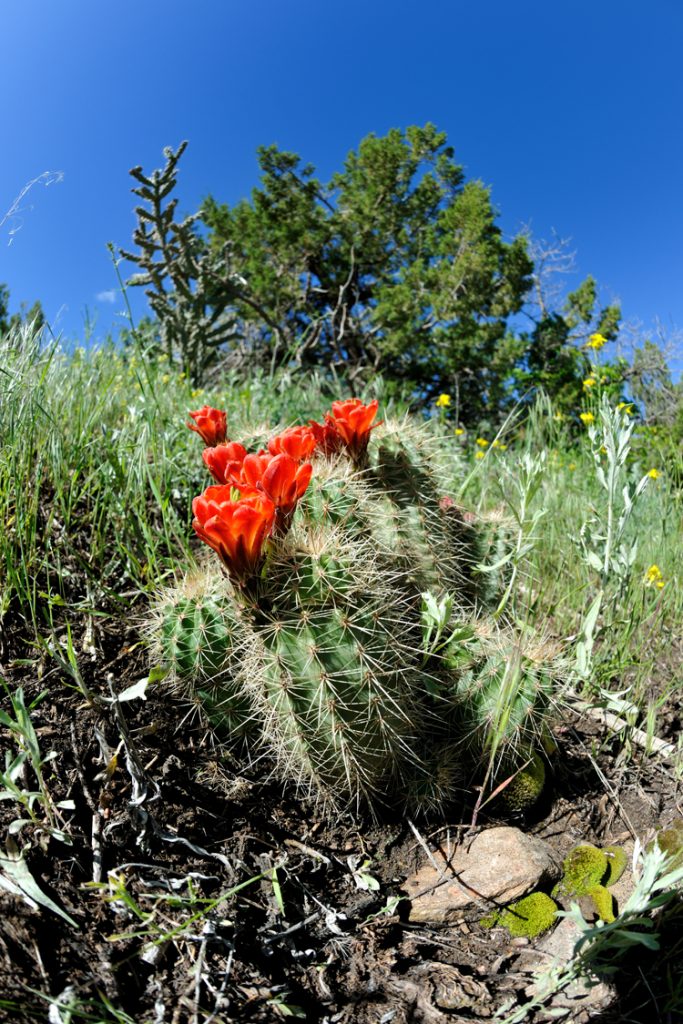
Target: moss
527,785
528,917
603,901
616,864
548,741
583,868
670,840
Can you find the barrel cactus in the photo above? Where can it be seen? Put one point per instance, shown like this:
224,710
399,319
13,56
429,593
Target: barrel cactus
305,635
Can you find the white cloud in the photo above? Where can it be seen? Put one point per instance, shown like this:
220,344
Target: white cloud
108,296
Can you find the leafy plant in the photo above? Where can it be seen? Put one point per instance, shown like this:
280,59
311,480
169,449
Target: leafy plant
14,779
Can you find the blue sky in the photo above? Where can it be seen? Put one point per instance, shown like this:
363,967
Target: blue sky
570,112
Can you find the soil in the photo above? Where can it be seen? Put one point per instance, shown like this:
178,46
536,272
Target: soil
203,892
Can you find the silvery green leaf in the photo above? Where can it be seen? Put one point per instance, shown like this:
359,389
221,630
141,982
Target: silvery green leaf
430,611
592,616
594,561
138,691
581,658
17,825
17,879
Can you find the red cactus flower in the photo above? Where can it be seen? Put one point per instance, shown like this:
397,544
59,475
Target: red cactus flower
298,442
211,501
353,422
279,477
236,530
285,481
223,459
210,424
247,476
327,440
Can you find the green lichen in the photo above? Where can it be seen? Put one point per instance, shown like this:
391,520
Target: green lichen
583,868
670,841
527,918
526,786
616,864
603,901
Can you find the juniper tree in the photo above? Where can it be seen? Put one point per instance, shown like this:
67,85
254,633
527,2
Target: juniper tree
396,265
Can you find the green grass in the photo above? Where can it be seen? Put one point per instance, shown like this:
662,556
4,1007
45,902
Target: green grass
637,623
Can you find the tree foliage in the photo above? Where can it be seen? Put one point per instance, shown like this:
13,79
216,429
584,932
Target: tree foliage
395,265
30,315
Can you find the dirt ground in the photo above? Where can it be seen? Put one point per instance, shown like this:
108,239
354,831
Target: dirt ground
204,893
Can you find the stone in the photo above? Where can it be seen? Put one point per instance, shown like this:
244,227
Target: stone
583,997
498,866
623,889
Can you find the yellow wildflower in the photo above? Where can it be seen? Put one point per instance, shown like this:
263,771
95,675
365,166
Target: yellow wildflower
197,393
499,445
653,577
589,382
654,474
603,450
587,418
604,380
443,401
558,417
571,466
626,408
479,455
596,341
459,431
482,442
165,378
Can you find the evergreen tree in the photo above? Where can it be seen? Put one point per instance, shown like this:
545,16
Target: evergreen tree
396,265
8,322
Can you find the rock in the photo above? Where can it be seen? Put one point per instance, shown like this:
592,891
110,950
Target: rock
582,997
552,950
499,864
623,889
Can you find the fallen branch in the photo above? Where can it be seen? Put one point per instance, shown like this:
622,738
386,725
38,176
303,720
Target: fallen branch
608,719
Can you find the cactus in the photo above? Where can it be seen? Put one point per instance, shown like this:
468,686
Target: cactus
416,517
336,699
310,642
503,684
199,638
